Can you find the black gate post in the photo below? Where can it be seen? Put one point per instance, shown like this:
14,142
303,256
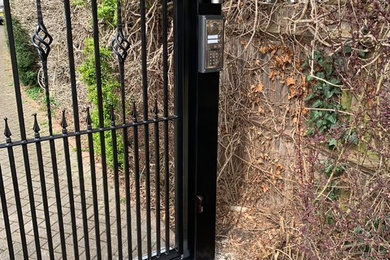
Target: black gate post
200,124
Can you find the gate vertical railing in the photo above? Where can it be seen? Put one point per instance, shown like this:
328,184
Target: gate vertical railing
42,40
101,123
7,9
76,120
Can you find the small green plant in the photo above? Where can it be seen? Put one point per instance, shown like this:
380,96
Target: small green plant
328,168
78,2
33,92
109,87
107,12
53,101
27,56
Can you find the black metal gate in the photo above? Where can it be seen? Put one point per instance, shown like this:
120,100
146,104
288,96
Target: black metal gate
104,235
61,202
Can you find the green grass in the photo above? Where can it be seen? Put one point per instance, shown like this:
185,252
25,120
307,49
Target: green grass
33,92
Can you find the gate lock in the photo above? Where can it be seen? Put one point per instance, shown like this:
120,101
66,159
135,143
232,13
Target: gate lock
211,43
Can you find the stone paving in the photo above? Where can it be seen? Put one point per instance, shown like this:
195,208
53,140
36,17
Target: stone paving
8,109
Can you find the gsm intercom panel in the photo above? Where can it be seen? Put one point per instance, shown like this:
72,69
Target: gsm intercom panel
211,45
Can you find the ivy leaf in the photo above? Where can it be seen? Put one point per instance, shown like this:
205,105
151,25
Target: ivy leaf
327,91
317,55
336,90
309,78
332,143
335,81
320,123
330,219
358,230
331,118
317,103
310,131
317,86
316,114
310,96
322,128
328,69
320,75
353,138
347,50
329,168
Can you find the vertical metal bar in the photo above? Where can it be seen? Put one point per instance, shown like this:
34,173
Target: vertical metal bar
101,124
94,185
186,19
165,55
120,47
116,183
77,125
127,169
21,124
137,183
166,123
146,126
11,157
179,42
41,40
38,149
6,218
70,183
58,197
157,177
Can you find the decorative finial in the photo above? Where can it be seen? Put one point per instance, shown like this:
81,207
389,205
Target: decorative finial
89,119
36,127
155,109
134,112
41,39
120,46
112,115
7,131
64,124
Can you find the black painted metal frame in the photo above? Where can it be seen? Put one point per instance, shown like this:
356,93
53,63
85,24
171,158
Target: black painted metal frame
200,134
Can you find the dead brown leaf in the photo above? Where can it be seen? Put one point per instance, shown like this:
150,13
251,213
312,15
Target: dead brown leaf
263,49
290,81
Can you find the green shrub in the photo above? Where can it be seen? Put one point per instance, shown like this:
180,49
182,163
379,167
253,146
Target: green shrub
107,12
27,56
109,86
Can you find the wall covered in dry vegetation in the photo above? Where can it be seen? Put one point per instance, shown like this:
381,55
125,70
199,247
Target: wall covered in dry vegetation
304,159
304,119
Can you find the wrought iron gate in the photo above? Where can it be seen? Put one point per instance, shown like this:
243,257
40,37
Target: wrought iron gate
81,221
60,202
